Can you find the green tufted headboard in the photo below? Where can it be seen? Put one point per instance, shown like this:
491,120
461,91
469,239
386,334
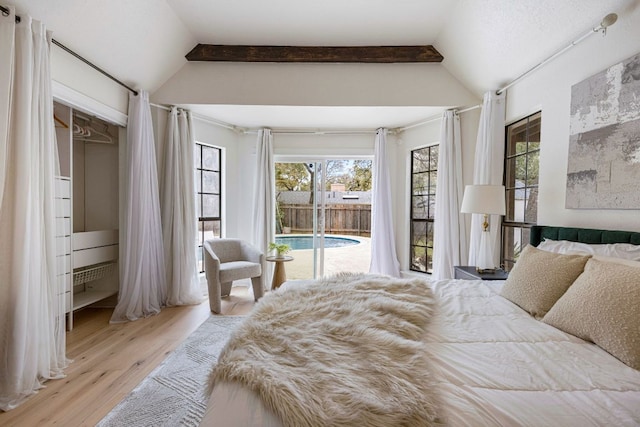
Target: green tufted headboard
583,235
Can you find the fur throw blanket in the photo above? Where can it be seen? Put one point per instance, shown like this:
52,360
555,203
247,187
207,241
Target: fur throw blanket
343,351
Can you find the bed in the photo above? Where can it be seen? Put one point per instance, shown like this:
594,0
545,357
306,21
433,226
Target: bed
481,359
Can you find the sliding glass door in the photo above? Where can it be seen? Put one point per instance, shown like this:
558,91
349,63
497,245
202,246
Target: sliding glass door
323,211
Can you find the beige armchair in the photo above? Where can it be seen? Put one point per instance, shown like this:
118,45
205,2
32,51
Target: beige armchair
226,260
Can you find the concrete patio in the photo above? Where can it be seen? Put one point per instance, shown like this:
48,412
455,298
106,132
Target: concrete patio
354,258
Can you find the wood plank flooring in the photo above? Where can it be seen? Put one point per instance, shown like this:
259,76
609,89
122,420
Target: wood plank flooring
110,360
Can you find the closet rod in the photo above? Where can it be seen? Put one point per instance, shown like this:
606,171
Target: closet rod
6,12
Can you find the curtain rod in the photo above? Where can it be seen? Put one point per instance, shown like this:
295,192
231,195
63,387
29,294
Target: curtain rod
436,118
319,132
363,131
606,22
7,12
203,118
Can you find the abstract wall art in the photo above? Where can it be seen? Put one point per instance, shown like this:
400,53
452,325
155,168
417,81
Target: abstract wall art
604,140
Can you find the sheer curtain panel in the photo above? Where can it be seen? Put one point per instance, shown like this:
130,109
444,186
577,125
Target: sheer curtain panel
143,286
32,332
264,190
383,241
488,169
179,211
449,234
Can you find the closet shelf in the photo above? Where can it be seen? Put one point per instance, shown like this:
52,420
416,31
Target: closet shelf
85,298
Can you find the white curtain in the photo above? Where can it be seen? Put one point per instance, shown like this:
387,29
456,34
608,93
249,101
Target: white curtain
488,169
179,211
142,272
450,236
32,333
383,241
264,191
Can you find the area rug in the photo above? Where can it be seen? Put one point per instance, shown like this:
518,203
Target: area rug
173,394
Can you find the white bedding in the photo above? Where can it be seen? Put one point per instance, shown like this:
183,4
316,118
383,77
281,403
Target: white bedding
496,366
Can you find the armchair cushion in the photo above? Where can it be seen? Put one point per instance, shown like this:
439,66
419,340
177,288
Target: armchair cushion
236,270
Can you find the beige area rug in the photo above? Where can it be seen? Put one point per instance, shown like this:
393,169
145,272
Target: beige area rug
174,393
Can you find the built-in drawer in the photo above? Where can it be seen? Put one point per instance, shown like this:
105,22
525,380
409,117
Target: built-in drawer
63,264
63,245
68,303
94,247
63,208
64,282
63,227
65,298
62,188
85,257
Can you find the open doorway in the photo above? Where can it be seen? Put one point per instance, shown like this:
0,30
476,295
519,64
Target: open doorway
323,212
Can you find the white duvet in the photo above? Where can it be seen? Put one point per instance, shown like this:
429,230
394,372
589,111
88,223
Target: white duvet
496,366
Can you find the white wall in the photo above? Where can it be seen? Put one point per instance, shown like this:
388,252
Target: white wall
549,90
236,193
314,85
319,85
237,166
72,73
322,146
419,137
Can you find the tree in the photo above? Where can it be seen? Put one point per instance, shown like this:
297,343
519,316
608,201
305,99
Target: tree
360,176
335,173
354,174
292,177
527,166
312,181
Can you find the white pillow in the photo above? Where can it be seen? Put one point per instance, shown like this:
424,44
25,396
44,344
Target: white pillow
613,250
628,262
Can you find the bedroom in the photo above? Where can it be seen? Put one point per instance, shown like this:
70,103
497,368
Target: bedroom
470,69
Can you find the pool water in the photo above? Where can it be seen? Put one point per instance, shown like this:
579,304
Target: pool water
306,242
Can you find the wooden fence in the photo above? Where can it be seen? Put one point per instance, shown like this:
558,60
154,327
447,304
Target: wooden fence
351,219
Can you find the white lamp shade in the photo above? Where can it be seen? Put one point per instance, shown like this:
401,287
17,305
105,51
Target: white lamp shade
484,199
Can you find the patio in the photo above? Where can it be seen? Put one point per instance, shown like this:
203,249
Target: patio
354,258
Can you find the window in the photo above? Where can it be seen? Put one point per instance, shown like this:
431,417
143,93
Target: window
424,172
522,158
208,195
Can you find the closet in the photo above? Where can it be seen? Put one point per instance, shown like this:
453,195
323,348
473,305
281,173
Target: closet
87,208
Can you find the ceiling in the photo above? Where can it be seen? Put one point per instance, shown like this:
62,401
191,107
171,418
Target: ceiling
485,43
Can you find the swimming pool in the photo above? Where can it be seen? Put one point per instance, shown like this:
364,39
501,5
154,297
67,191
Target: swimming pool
306,242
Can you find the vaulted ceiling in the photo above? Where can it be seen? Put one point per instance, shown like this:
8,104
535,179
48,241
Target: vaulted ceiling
485,43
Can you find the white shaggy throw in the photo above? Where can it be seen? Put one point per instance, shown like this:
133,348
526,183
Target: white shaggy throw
343,351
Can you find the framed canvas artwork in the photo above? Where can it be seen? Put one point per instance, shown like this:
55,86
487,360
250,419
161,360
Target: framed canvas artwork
604,140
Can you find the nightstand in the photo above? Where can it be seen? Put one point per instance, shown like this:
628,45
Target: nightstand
470,273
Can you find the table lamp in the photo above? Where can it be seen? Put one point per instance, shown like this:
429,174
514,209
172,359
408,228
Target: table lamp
486,200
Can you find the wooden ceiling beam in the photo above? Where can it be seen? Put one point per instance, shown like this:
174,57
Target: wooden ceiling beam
361,54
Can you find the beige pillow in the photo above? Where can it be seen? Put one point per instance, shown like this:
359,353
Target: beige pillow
539,279
603,306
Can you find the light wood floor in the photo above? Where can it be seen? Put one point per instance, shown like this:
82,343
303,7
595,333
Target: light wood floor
110,360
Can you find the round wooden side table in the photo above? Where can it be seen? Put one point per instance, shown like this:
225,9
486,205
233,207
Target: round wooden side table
279,275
